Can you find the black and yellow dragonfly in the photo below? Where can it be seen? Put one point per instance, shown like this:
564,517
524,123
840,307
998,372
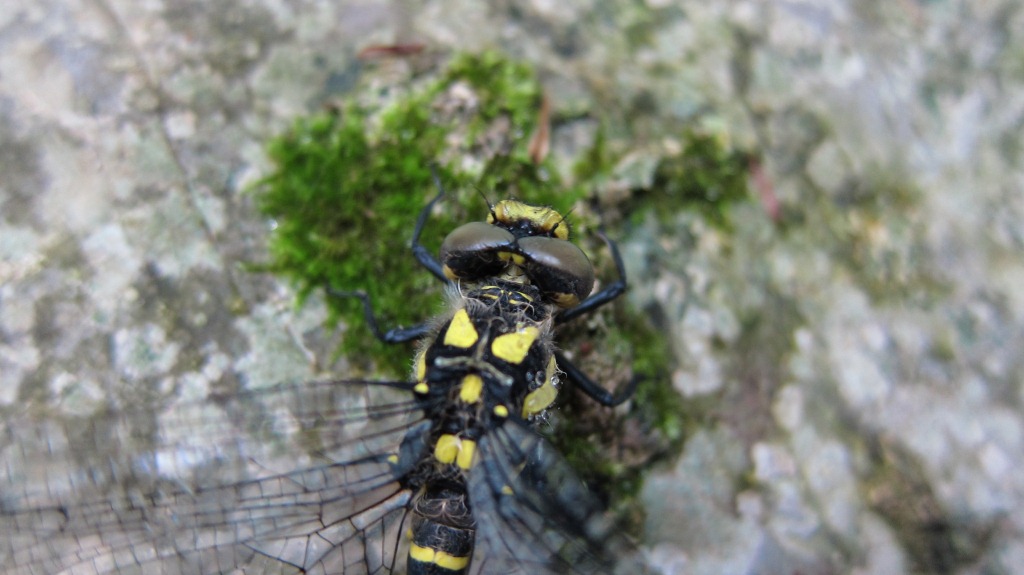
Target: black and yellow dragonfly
443,474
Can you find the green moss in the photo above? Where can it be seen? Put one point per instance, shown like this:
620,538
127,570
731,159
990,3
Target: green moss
345,194
597,161
348,185
707,175
333,204
611,449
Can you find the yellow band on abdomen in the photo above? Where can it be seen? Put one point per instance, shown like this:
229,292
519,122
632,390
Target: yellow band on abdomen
436,557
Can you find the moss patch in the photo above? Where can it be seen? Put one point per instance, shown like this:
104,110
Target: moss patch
708,176
611,448
349,184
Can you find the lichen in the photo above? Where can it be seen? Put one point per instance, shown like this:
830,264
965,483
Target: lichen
935,540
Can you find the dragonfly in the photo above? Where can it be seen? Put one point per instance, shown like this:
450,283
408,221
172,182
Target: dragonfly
445,473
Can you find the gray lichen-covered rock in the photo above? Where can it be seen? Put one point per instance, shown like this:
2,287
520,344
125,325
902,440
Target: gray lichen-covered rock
854,330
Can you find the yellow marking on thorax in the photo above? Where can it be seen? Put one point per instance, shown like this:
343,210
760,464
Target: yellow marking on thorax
500,289
461,332
420,366
513,347
539,399
466,454
471,389
452,449
437,557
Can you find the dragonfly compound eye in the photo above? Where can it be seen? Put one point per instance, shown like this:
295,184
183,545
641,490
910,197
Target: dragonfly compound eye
561,271
473,251
522,244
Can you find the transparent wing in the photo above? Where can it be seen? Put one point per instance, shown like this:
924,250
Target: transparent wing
534,515
287,480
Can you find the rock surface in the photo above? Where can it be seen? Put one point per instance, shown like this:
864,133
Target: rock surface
857,328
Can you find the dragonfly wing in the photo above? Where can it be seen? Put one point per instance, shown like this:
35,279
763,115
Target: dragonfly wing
285,480
534,515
